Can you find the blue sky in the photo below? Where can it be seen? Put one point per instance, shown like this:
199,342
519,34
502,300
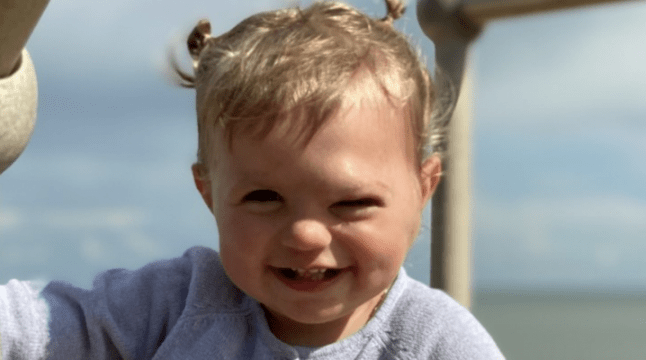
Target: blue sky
558,165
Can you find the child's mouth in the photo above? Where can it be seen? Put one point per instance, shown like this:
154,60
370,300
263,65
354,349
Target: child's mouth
312,274
307,280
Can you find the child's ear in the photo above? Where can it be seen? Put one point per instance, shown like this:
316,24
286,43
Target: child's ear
430,175
203,184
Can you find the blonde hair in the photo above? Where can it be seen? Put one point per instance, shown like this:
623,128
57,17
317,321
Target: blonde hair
299,63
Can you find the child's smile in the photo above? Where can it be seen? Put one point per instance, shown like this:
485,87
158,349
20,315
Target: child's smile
317,232
312,279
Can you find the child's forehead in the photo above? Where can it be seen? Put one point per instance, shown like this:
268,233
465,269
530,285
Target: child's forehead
372,131
304,119
298,127
295,128
354,125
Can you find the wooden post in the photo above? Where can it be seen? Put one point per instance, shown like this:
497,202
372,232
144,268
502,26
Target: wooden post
451,258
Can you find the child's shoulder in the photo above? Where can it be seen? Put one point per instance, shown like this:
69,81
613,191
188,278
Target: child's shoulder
133,310
428,321
429,302
196,277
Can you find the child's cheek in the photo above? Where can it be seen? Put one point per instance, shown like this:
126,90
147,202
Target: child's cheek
377,246
245,231
244,248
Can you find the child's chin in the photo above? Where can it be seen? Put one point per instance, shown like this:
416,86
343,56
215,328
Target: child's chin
308,315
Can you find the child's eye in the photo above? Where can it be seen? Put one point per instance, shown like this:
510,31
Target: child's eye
262,201
262,196
364,202
357,208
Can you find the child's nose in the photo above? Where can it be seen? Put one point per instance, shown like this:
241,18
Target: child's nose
307,235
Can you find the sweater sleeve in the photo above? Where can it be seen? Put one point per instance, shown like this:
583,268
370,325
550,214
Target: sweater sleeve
126,315
18,101
23,321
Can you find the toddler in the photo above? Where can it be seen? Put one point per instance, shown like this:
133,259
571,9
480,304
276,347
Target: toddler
314,133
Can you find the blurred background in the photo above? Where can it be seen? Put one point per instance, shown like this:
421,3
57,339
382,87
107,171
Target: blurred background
559,132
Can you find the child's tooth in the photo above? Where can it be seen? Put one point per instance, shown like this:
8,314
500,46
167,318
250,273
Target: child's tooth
319,275
316,274
314,271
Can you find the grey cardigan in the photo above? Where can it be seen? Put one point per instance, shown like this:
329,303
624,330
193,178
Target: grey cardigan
187,308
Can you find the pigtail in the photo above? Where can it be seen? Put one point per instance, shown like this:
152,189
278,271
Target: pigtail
395,10
196,42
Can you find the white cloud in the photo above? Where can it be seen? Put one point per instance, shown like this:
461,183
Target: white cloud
590,241
10,219
109,249
630,143
78,169
142,245
119,39
97,218
607,254
550,79
167,170
104,237
539,224
93,249
92,13
603,210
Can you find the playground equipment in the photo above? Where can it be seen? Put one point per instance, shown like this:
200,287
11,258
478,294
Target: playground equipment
17,21
453,25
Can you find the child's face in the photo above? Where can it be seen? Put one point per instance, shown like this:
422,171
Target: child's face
348,202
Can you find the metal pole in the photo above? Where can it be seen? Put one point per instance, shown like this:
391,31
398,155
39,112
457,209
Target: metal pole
451,249
452,25
483,11
458,252
445,23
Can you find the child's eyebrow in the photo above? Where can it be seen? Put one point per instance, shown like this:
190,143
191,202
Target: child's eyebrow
351,186
365,187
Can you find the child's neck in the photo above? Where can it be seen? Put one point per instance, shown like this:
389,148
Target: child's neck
317,335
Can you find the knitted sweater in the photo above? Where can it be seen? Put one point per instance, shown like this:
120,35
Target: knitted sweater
187,308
